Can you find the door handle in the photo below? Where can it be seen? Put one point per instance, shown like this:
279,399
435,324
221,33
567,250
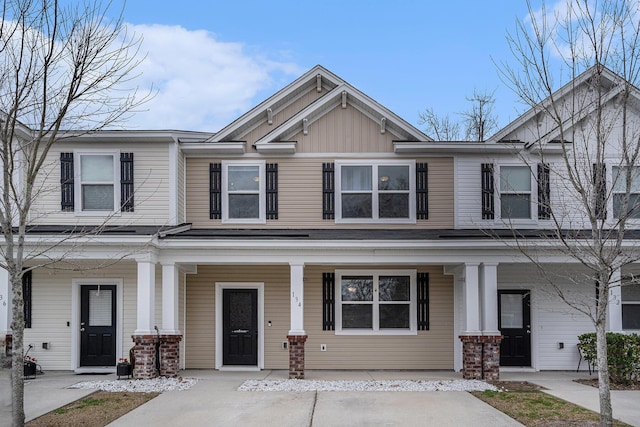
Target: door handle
240,331
81,329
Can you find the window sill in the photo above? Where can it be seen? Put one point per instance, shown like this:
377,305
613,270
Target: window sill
380,332
102,214
375,221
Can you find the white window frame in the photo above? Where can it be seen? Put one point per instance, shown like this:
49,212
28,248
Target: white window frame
375,330
533,194
77,165
411,219
628,302
261,193
613,192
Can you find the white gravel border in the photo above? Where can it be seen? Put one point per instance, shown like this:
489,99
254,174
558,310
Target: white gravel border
369,385
158,385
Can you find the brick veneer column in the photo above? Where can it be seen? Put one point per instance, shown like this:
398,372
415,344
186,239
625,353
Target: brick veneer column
170,355
296,356
145,356
481,357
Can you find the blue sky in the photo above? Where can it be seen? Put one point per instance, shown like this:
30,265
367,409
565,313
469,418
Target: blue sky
212,61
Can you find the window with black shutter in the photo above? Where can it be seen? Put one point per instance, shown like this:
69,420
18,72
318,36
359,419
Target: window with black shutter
215,191
126,182
544,192
423,301
600,190
488,210
66,182
422,187
328,191
26,296
328,301
272,191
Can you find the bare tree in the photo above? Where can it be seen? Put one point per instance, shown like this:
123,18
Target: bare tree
593,122
478,122
441,128
63,65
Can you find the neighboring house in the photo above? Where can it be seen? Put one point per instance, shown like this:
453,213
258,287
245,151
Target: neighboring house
317,231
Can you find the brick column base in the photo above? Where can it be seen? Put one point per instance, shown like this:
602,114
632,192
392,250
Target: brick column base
144,352
170,355
481,357
296,356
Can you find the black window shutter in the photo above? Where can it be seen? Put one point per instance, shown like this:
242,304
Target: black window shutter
488,211
422,191
215,190
423,301
600,190
26,296
272,191
328,301
544,192
126,182
328,188
66,182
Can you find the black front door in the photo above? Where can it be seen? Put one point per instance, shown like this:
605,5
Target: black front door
515,325
240,327
98,325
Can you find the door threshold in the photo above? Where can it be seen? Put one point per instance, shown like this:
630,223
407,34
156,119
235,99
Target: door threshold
517,369
239,368
95,370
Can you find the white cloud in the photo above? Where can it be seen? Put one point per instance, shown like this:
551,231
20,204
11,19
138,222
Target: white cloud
200,83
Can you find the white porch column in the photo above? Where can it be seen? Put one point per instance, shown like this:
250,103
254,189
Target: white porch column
471,300
146,297
170,280
5,303
297,300
489,295
614,311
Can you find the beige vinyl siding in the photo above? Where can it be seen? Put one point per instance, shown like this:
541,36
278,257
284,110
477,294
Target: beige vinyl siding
279,117
431,349
344,131
52,309
151,186
200,322
300,195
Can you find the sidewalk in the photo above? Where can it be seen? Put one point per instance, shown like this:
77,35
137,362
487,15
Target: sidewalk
626,404
215,401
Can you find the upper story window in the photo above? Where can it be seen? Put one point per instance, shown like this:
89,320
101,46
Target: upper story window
96,183
515,192
376,302
620,190
243,192
375,191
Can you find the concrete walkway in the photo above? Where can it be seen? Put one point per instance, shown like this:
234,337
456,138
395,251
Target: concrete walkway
215,401
626,404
